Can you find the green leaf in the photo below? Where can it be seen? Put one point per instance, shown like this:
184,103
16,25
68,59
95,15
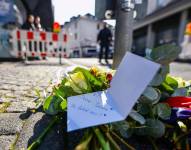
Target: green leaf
47,102
37,92
144,107
155,128
152,94
63,105
148,53
171,82
162,110
160,76
68,91
166,88
141,131
124,128
137,117
165,54
59,93
52,105
181,92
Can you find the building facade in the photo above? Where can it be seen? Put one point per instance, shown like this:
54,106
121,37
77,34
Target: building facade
160,22
82,34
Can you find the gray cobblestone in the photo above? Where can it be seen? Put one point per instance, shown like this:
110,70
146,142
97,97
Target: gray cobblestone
20,106
29,129
6,141
10,123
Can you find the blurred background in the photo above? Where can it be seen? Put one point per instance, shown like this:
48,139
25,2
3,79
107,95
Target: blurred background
155,22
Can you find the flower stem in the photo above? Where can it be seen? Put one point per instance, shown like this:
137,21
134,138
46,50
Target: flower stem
112,141
122,141
182,136
153,143
105,129
39,140
104,144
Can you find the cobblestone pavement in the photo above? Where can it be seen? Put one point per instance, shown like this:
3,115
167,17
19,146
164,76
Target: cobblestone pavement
18,83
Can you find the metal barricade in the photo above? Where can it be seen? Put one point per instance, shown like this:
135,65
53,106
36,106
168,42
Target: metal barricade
39,44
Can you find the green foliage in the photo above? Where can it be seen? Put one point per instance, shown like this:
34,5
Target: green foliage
52,105
171,82
165,54
154,128
137,117
162,110
148,115
124,128
152,94
144,107
160,76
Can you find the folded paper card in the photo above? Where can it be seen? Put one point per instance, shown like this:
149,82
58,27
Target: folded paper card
114,104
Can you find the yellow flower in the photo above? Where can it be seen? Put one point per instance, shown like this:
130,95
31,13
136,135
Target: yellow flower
94,71
78,82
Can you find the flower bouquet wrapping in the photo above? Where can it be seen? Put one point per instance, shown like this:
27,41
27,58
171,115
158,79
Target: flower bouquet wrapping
161,114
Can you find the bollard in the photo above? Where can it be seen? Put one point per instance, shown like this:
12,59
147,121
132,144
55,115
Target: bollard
25,58
60,59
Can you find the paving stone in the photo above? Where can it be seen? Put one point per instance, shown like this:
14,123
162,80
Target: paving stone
3,92
7,141
35,125
21,106
10,123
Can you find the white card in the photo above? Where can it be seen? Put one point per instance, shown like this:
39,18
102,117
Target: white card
132,77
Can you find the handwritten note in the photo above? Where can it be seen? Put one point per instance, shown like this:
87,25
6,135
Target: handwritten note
91,109
132,77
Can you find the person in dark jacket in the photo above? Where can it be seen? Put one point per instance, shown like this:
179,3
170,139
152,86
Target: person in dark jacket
29,25
104,39
38,24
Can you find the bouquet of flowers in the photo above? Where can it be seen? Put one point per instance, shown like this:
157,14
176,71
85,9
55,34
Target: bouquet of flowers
162,113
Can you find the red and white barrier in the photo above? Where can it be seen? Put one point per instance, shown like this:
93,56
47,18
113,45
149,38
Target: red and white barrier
39,44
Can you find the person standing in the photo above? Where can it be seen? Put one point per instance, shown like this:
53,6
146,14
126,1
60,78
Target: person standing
38,24
104,39
29,25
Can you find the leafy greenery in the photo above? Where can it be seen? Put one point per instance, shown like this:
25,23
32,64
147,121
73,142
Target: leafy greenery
165,54
149,117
